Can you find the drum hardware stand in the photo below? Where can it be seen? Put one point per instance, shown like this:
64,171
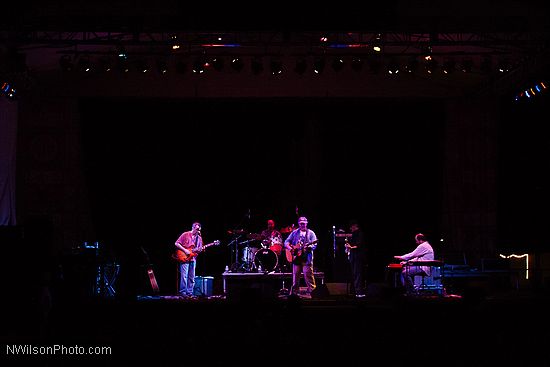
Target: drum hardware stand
234,254
234,260
247,265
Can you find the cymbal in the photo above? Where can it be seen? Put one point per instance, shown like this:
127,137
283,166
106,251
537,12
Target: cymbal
236,231
254,236
286,230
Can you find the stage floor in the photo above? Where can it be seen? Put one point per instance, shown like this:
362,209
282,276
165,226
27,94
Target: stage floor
262,285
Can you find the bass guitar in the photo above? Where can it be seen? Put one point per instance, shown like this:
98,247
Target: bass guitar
298,250
348,246
181,256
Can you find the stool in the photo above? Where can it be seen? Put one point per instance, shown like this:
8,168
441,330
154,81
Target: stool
428,284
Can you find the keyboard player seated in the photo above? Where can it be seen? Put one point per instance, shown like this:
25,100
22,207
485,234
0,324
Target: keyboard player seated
422,252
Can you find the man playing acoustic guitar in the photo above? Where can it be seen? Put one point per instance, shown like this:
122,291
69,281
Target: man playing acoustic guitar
299,246
189,243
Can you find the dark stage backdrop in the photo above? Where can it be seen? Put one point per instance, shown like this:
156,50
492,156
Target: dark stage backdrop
155,165
524,163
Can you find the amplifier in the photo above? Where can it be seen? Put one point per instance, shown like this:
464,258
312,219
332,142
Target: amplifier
203,286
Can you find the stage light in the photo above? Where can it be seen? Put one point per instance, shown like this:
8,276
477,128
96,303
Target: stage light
427,54
412,65
66,63
162,66
276,67
431,64
301,66
175,45
449,66
319,65
466,65
142,66
377,43
84,63
105,64
356,63
337,64
237,64
393,67
256,65
504,66
217,63
9,91
121,52
199,65
122,63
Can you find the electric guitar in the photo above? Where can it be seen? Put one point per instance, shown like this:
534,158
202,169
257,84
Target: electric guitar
298,250
181,256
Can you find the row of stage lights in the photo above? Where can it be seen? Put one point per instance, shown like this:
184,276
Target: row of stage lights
8,90
202,64
531,92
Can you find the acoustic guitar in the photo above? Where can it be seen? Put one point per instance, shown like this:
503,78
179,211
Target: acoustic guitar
298,250
152,279
181,256
150,272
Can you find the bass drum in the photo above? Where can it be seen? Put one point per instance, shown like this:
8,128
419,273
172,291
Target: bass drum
265,260
276,245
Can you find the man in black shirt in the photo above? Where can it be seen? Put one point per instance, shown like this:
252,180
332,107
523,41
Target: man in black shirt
355,248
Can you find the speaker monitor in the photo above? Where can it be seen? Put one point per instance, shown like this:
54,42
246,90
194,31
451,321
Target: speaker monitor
337,289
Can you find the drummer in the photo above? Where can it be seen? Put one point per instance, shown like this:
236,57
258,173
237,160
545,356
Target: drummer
270,236
273,240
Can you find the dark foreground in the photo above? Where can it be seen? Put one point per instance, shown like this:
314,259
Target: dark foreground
507,329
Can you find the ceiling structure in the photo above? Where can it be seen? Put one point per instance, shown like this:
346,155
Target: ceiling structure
491,47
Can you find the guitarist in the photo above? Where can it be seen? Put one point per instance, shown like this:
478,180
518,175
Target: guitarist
189,242
300,243
356,248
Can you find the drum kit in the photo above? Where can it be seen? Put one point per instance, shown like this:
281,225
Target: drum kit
262,254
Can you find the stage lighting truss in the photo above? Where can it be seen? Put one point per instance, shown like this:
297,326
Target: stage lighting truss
472,52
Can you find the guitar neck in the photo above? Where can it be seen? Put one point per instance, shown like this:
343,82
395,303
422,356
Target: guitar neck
208,245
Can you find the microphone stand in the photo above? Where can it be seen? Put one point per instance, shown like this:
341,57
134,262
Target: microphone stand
334,242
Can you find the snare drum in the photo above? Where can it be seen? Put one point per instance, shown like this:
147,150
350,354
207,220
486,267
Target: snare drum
266,259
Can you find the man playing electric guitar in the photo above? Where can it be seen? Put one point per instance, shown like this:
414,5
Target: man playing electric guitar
188,245
300,244
181,256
